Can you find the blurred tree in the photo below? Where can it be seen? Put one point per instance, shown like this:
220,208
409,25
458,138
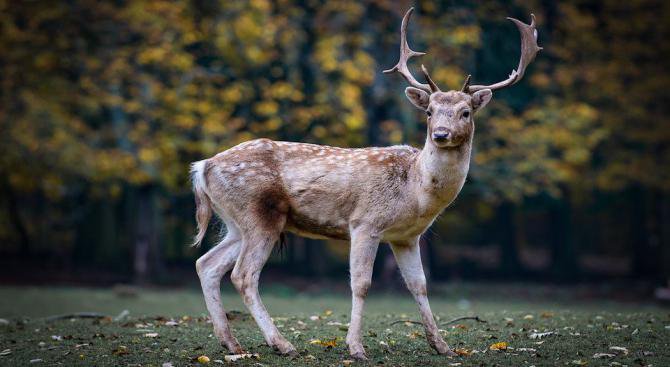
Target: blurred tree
103,106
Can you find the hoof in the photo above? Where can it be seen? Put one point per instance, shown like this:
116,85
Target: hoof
442,348
291,353
233,347
285,348
359,356
449,353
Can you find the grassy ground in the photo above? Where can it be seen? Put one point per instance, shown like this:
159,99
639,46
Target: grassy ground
170,326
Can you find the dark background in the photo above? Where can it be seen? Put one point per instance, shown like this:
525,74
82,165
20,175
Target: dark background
103,105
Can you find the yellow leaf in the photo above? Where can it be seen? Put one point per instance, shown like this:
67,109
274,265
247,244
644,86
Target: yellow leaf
462,352
499,346
414,335
203,359
325,343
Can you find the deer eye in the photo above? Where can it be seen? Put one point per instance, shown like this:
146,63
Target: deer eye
466,114
428,113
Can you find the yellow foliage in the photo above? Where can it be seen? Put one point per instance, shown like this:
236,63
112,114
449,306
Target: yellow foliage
498,346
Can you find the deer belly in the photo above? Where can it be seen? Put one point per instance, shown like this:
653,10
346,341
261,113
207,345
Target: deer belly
312,226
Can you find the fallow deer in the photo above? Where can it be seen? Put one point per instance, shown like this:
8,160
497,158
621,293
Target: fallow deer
262,188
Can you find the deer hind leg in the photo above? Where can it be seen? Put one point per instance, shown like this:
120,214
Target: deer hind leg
211,267
408,257
246,273
361,260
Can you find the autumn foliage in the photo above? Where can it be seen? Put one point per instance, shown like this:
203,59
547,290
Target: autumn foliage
104,104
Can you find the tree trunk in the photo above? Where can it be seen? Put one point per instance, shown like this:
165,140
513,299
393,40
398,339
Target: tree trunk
564,265
509,254
15,218
641,241
147,259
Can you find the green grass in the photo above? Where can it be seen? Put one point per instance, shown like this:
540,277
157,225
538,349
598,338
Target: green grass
580,329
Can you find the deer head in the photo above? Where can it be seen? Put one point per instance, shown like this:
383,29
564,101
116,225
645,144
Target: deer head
450,114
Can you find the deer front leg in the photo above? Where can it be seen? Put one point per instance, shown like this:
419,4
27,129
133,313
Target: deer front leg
408,257
361,259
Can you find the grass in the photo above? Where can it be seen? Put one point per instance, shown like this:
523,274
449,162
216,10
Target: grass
148,338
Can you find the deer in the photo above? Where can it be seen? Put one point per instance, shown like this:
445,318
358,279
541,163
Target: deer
262,188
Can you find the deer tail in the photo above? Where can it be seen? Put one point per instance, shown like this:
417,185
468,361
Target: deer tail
202,201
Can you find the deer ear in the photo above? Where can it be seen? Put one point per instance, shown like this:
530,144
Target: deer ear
481,98
418,97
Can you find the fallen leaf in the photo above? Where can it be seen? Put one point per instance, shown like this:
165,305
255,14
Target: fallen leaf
4,322
314,317
325,343
462,352
328,312
56,337
455,364
414,334
547,315
498,346
541,335
151,335
620,350
120,350
579,362
528,317
347,362
236,357
603,355
167,364
526,350
6,352
203,359
36,360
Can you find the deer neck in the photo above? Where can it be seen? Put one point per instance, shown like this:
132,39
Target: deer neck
441,173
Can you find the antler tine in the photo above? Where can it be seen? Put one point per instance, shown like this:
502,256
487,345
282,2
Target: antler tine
405,54
466,83
529,50
433,87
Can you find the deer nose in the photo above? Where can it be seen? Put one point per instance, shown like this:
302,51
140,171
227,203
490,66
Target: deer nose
441,135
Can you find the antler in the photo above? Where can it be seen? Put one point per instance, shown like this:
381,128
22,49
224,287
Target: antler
405,54
529,49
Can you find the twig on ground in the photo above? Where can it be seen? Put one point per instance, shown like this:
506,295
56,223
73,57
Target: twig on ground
476,318
407,321
87,315
76,315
